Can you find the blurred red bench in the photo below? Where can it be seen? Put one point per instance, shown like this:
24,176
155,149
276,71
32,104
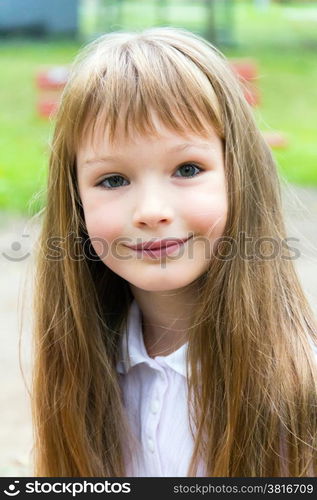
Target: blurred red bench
50,84
248,74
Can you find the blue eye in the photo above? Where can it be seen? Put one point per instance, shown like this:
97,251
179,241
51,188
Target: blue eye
188,169
116,183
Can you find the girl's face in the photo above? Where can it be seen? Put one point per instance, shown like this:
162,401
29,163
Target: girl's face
150,188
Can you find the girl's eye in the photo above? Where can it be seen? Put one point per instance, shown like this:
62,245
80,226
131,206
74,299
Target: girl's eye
115,181
188,170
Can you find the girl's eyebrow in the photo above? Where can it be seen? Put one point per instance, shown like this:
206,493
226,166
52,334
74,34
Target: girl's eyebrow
175,149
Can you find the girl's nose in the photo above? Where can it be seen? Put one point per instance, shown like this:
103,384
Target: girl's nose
152,209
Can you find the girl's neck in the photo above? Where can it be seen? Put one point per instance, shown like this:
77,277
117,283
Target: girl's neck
166,318
162,341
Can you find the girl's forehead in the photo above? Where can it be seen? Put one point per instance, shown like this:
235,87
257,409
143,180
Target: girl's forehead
164,140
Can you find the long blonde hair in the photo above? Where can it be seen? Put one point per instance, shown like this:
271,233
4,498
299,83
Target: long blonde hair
252,389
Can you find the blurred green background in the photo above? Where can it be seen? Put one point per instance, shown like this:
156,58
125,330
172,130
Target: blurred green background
281,36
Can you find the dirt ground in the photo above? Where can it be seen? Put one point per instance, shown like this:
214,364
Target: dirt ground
17,243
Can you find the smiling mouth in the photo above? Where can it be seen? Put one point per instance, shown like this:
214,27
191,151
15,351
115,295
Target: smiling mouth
162,250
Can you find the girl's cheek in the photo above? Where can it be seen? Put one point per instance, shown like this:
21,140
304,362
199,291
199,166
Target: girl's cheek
104,236
209,216
104,225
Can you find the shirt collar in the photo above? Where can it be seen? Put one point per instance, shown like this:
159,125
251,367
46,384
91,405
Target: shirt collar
133,351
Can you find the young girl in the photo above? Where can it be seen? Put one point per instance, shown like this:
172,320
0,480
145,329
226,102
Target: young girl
172,336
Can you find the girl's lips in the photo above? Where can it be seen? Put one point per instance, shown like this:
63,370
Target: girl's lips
153,245
160,251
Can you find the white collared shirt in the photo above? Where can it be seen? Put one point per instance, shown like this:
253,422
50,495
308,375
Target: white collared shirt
155,398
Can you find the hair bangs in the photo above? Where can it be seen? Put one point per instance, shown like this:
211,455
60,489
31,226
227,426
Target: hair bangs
139,84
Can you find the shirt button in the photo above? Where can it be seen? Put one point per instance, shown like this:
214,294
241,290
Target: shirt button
155,406
151,445
162,376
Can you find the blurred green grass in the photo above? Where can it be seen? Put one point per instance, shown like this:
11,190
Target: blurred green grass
282,40
24,137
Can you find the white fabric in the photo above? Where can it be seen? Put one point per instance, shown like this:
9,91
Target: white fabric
155,397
